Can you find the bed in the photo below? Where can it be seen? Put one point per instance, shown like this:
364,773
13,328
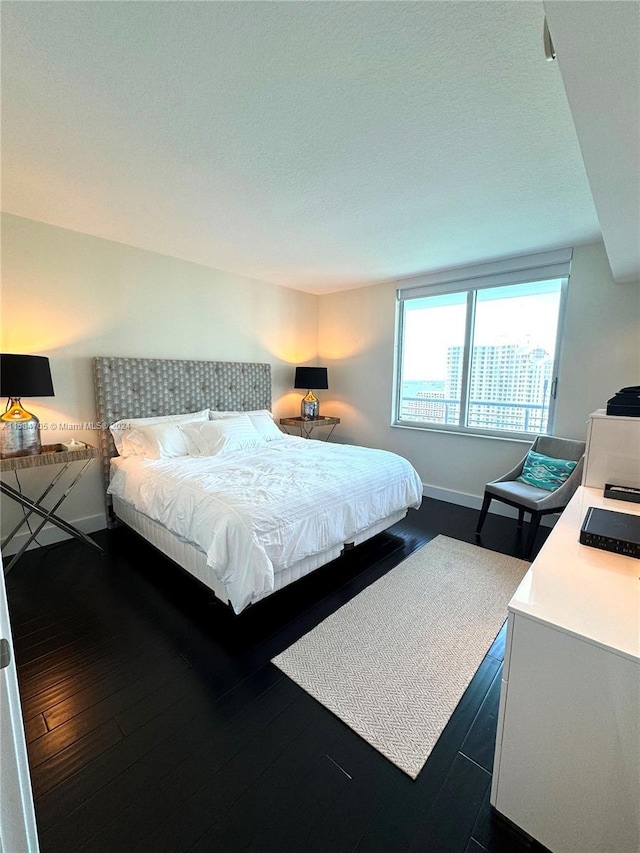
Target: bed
259,514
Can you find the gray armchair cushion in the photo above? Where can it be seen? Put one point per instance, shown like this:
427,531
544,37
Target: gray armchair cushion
559,448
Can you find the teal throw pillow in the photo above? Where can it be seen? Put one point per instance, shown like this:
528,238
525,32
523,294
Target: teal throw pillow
545,472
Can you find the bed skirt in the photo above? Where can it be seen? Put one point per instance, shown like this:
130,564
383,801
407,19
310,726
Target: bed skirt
193,560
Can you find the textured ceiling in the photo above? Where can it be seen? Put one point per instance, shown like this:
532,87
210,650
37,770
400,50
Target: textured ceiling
316,145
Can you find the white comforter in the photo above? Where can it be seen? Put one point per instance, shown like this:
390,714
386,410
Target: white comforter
256,512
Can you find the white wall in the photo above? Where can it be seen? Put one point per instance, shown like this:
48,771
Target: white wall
70,297
602,339
601,354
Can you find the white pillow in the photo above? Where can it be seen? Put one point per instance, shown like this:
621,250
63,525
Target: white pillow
121,429
222,436
158,441
262,419
218,416
264,426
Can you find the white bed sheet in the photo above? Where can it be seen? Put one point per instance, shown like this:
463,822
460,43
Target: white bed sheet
254,513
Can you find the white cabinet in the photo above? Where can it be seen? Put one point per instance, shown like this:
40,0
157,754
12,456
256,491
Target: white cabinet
567,765
613,451
17,818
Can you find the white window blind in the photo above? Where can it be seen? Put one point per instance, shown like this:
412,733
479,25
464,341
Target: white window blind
541,266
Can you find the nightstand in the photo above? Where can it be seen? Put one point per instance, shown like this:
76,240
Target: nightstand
52,454
307,426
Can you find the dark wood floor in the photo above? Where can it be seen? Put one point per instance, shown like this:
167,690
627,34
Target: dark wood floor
156,722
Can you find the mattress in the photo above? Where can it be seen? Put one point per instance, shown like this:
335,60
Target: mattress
256,514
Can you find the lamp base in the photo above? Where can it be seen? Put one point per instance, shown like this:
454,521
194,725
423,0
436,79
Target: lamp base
310,407
19,432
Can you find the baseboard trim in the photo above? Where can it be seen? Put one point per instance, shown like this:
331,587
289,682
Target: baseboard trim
50,534
475,502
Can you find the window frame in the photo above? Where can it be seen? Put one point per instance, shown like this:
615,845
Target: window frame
540,267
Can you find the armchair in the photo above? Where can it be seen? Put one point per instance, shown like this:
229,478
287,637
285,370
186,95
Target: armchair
527,498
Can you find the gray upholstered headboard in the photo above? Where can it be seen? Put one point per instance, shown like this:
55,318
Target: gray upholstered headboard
149,387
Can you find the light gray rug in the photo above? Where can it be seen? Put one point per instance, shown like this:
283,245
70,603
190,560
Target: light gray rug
394,662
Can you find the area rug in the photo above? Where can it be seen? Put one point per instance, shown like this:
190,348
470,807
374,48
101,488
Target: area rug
395,661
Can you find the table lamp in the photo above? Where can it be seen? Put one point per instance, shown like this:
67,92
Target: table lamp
22,376
311,377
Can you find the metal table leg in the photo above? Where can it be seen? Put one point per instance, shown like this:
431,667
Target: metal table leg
45,514
20,497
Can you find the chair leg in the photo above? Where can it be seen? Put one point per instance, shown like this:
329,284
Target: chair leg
483,512
520,516
533,530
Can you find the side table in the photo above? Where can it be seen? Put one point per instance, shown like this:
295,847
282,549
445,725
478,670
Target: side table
307,426
52,454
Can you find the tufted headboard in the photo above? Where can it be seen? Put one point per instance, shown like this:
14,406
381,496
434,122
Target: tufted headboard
149,387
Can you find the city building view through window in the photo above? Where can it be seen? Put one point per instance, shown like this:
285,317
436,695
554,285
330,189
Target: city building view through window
480,359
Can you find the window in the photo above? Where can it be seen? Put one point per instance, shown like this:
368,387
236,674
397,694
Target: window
477,348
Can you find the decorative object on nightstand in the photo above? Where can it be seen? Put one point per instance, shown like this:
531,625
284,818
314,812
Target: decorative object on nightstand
52,454
311,378
22,376
306,425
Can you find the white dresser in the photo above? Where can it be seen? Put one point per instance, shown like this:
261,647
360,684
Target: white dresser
613,450
567,762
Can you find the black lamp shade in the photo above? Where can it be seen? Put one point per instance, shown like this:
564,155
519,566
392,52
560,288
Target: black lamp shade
25,376
311,377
